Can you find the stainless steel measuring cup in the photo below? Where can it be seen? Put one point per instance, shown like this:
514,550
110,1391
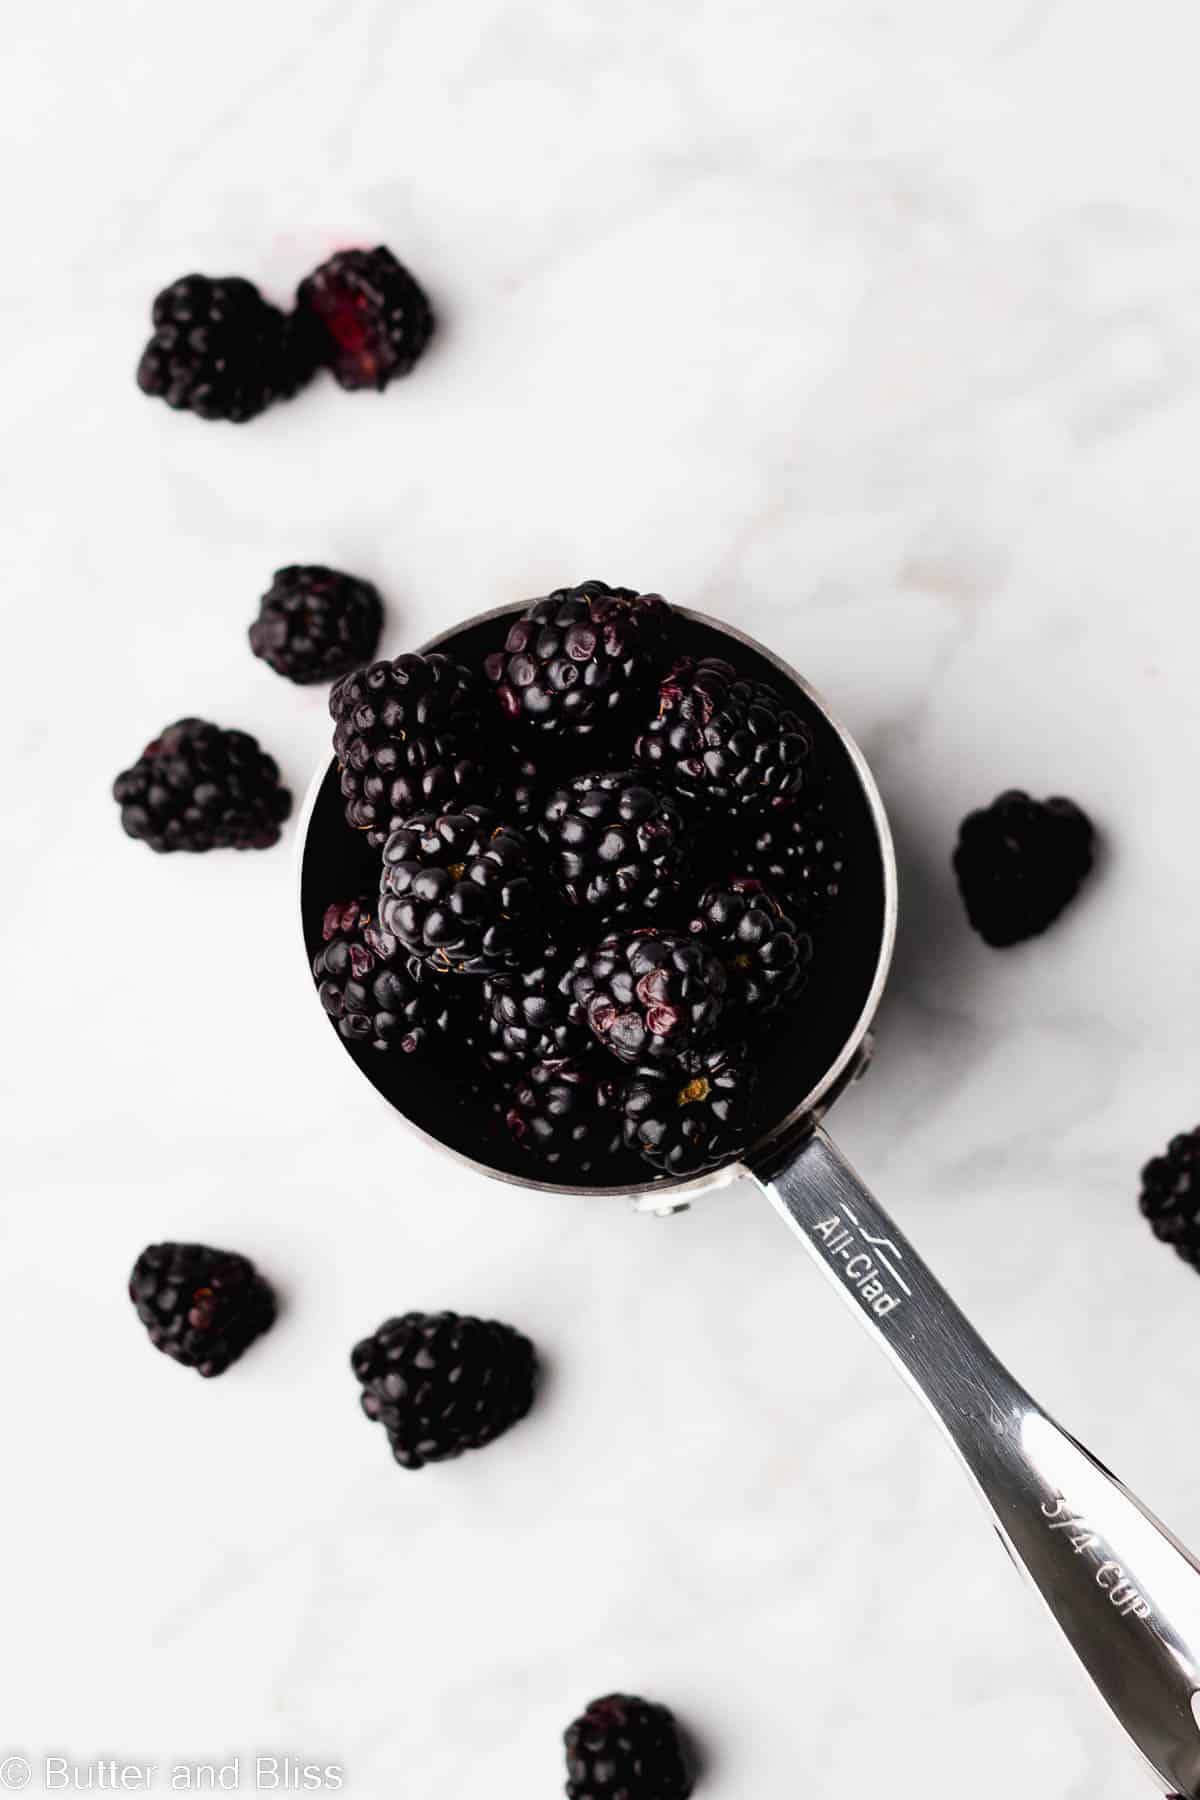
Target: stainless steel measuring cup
1123,1591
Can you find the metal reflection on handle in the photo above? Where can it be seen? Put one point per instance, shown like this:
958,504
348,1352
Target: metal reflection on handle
1124,1592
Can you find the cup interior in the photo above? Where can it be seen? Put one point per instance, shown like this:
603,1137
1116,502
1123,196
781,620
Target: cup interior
810,1046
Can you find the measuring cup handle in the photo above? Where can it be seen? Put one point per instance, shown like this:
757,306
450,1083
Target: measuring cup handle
1123,1591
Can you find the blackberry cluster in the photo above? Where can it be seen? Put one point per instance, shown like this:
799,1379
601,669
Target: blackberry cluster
697,1114
766,956
797,849
220,350
1170,1198
440,1384
649,996
579,659
201,1307
566,1114
197,787
1019,863
626,1748
458,891
529,1015
617,942
616,844
366,319
407,737
725,741
315,623
374,993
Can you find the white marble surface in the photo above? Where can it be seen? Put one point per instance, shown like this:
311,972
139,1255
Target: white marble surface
873,327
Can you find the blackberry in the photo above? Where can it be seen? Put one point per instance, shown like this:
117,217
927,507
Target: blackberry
723,740
580,658
565,1114
202,1307
766,955
440,1384
1170,1197
699,1115
315,623
625,1748
799,852
220,350
197,787
372,991
648,996
367,319
1019,862
529,1015
617,844
406,733
458,891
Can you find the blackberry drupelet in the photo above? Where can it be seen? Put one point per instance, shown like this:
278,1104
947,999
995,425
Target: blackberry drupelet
799,852
367,319
725,741
766,955
201,1307
625,1748
616,843
1170,1197
407,737
198,787
529,1016
374,993
459,891
579,659
565,1114
649,995
440,1384
220,350
699,1114
315,624
1019,862
522,791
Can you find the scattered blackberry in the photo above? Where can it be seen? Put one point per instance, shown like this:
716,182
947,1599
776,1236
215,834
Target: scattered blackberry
649,995
723,740
367,318
458,891
766,956
1019,862
799,852
1171,1195
202,1307
315,623
373,992
699,1114
529,1015
579,658
624,1748
440,1384
197,787
220,350
565,1114
617,844
406,734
